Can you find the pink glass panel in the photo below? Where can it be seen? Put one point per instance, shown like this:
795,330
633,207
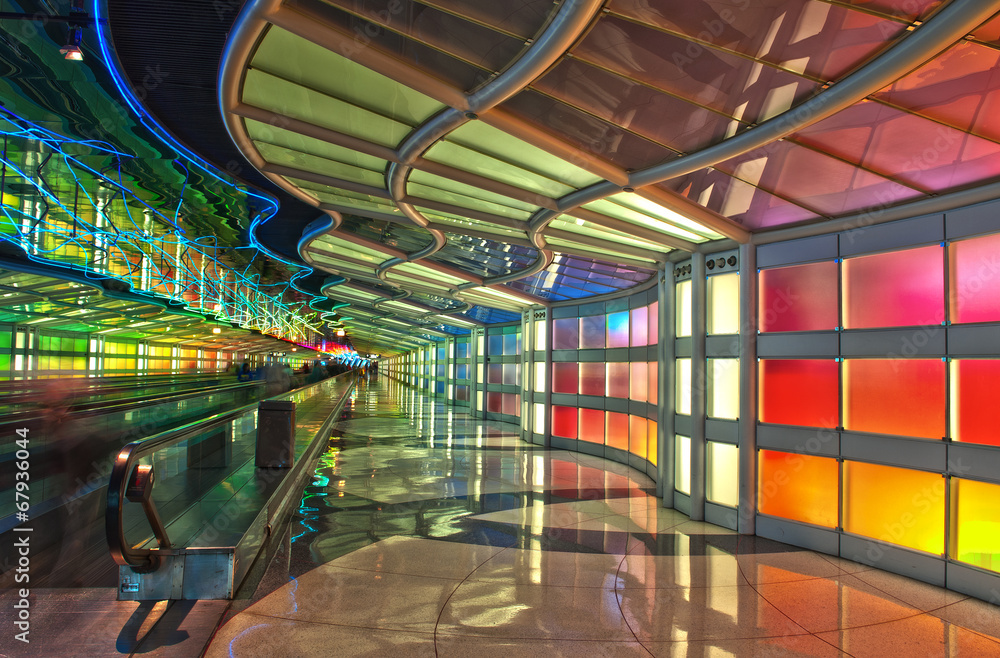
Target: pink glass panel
800,392
751,206
564,422
511,404
592,377
566,334
592,332
494,373
637,438
654,324
639,380
895,396
974,395
975,279
565,378
618,376
653,387
618,329
895,289
616,430
799,298
494,402
640,324
592,425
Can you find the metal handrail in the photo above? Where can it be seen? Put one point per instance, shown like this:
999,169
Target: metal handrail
101,385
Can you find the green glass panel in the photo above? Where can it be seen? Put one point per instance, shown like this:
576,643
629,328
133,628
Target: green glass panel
601,233
426,272
467,159
358,252
5,338
477,225
655,210
633,217
486,139
317,165
263,132
594,252
4,362
443,196
278,95
308,64
45,343
441,183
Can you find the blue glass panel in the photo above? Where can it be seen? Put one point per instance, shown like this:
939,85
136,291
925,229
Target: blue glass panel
490,315
494,345
462,350
511,345
462,372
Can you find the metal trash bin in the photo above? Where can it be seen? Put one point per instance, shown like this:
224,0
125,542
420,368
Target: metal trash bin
275,434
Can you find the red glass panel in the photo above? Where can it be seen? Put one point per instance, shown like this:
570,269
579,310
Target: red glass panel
494,402
974,396
565,377
616,430
975,279
592,379
592,332
566,334
895,289
511,404
895,396
564,422
799,298
640,325
653,389
798,487
637,437
800,392
638,380
618,376
592,425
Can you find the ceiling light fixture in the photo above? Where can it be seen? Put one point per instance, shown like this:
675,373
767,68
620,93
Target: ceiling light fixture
72,50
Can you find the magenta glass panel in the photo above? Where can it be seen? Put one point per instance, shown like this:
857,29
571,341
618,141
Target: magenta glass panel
618,376
639,380
974,392
799,298
616,430
494,373
511,372
975,279
565,378
618,329
592,377
753,207
564,422
494,402
895,289
654,323
592,332
592,425
895,396
566,334
511,404
640,324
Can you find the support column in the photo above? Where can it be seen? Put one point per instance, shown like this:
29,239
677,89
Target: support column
698,385
666,373
747,521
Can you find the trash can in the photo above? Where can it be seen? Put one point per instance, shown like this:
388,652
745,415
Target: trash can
276,434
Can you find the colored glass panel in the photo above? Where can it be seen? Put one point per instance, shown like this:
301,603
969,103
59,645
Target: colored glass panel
654,323
653,382
618,380
511,373
592,332
895,396
682,464
564,422
723,295
724,394
974,383
895,505
592,426
638,381
494,374
722,464
974,291
462,350
799,298
637,436
798,487
565,378
976,507
462,372
539,427
652,442
539,376
511,404
494,402
895,289
683,309
616,430
640,325
682,401
462,393
592,378
800,392
539,335
618,329
566,334
494,345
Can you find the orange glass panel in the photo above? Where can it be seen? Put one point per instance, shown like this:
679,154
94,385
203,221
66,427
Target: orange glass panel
592,425
974,293
974,383
799,298
800,392
798,487
895,505
617,430
976,507
639,379
653,442
895,396
653,390
895,289
637,439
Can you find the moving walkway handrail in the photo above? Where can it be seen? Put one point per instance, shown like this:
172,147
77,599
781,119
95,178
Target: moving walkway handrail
95,386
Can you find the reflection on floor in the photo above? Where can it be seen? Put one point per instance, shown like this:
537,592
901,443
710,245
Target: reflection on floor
425,532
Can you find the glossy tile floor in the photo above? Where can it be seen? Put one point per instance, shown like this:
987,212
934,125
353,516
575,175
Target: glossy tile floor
428,533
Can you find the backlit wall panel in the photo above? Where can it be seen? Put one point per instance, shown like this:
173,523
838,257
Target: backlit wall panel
637,439
974,387
682,312
682,464
974,268
895,396
616,430
798,487
592,426
566,334
723,474
894,289
640,327
564,422
592,332
618,329
682,388
638,381
565,377
618,380
593,378
799,298
800,392
976,507
723,297
724,394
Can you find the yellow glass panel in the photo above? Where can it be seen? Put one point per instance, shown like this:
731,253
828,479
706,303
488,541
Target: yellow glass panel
723,293
724,396
895,505
539,335
682,464
652,439
683,309
682,388
976,509
723,474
